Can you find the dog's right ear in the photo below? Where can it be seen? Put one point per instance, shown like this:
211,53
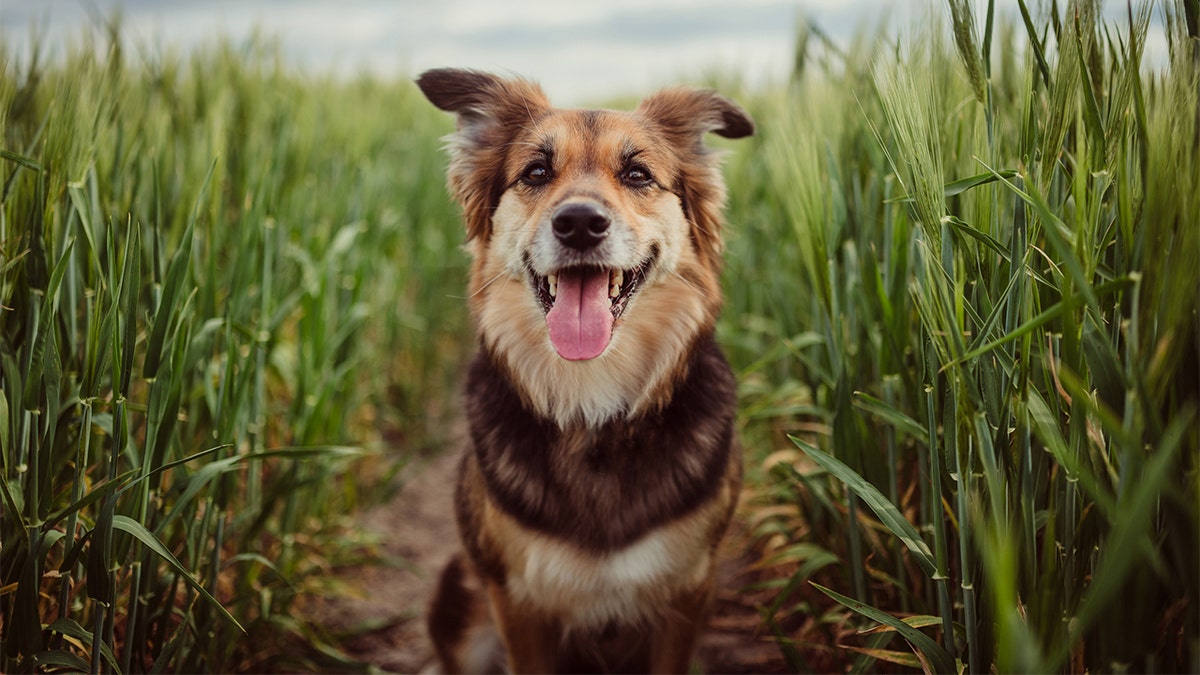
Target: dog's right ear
490,110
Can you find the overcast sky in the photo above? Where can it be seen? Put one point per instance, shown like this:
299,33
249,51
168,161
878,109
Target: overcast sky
580,51
577,50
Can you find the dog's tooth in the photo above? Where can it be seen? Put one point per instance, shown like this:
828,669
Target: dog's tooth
615,280
553,281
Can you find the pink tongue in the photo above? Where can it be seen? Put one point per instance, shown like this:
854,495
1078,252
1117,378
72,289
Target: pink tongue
581,320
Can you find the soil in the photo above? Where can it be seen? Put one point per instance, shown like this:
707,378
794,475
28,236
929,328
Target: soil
382,621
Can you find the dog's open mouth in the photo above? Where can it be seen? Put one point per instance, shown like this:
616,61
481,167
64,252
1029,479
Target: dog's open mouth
582,303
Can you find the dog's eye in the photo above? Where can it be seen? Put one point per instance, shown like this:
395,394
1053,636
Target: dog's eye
536,174
636,176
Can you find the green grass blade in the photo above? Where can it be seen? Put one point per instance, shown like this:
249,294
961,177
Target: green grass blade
173,464
811,559
22,160
878,503
99,560
1131,541
6,446
1042,319
938,658
26,623
1091,109
176,273
1035,42
46,324
129,286
907,659
985,50
1048,429
961,185
79,204
964,228
71,628
56,659
891,415
93,495
132,527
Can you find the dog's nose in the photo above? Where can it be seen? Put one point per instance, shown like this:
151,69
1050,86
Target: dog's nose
580,225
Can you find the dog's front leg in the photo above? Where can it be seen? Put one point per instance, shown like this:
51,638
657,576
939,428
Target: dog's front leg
531,638
675,639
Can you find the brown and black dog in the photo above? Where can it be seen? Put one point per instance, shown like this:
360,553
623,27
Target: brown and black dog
603,468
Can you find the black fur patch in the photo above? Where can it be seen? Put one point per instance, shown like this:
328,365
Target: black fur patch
450,613
604,488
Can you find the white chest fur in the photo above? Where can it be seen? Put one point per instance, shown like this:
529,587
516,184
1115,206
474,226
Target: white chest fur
585,589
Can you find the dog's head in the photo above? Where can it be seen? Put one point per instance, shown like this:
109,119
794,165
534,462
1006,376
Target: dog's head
596,234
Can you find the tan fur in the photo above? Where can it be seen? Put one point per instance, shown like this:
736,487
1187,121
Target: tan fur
558,598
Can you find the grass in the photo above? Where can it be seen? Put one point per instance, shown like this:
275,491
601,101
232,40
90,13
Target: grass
219,319
987,362
961,298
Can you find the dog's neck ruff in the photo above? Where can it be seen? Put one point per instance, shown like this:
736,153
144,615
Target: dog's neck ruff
591,393
628,477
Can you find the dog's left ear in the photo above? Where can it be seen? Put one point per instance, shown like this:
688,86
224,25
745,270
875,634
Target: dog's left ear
490,111
693,112
684,116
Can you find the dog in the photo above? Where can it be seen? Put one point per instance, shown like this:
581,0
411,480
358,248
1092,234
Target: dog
603,466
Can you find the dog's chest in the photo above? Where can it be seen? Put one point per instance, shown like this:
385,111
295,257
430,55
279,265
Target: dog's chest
588,590
608,488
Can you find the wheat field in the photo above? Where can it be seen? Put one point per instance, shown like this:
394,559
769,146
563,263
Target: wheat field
961,283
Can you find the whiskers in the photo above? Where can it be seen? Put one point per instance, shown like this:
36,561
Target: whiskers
706,292
481,289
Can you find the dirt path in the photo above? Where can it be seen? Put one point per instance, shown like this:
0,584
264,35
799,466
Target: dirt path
418,527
